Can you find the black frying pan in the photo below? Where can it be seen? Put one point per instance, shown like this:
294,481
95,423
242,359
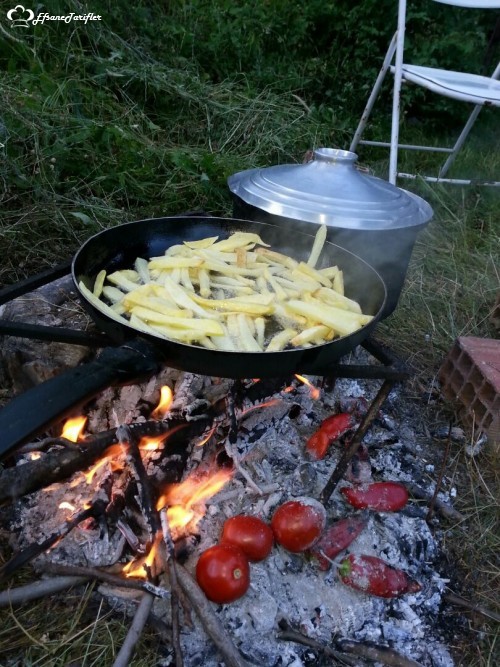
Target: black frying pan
118,247
140,354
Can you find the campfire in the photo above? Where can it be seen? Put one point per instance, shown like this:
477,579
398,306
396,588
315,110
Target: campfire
131,491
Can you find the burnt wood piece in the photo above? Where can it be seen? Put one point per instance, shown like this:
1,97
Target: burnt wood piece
40,407
129,440
33,550
29,284
56,466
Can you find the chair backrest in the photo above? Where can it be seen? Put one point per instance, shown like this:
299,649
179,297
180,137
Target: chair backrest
473,4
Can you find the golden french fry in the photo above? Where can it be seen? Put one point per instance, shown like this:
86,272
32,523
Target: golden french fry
141,266
234,304
174,262
204,279
113,294
333,298
338,282
341,321
315,275
277,257
319,242
202,243
183,300
280,340
314,334
260,330
99,283
246,338
152,317
237,240
100,305
121,280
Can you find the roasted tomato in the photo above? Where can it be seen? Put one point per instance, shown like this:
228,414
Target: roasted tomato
252,535
373,575
223,573
297,524
382,496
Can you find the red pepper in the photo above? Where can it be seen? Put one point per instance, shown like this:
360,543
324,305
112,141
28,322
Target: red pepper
382,496
330,430
373,575
336,538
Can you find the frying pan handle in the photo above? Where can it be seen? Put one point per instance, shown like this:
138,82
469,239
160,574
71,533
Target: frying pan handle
37,408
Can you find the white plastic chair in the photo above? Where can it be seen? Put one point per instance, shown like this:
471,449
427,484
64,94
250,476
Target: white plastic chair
473,88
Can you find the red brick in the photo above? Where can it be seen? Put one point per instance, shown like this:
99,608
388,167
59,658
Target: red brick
470,375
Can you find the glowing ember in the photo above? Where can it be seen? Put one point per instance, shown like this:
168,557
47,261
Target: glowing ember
67,506
73,428
273,401
151,444
315,392
34,456
206,438
166,397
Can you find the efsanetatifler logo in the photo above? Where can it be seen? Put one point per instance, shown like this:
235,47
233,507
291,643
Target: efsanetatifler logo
23,17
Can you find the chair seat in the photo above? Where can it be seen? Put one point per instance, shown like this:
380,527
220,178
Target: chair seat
460,86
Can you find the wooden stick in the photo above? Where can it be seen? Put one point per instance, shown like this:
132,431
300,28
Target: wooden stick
107,577
56,466
38,589
290,635
212,625
135,631
447,511
377,653
462,602
353,446
127,438
439,481
172,573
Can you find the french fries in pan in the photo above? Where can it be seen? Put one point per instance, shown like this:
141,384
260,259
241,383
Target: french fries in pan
235,294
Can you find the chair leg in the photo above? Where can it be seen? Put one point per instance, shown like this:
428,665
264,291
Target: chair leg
460,141
374,94
396,97
465,132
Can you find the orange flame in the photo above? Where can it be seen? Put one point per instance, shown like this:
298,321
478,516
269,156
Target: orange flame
181,498
138,566
315,392
34,456
166,398
73,428
151,444
273,401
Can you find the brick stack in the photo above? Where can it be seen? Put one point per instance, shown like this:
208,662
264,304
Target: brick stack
470,375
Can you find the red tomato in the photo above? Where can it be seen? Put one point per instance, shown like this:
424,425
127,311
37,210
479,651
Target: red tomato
252,535
373,575
223,573
297,524
382,496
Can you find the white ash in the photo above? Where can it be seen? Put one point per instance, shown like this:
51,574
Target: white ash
270,446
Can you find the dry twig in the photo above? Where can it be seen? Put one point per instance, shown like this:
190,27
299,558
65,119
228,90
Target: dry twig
172,574
140,618
213,627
